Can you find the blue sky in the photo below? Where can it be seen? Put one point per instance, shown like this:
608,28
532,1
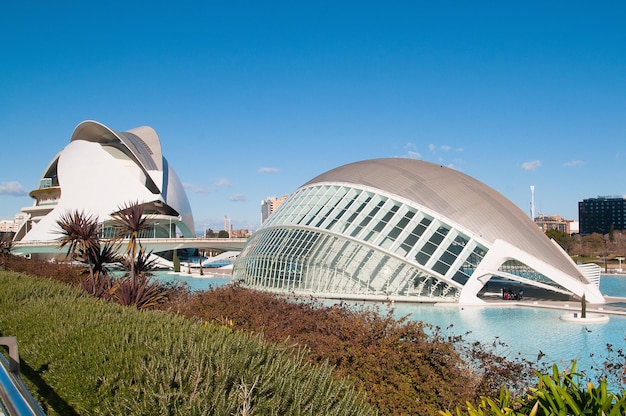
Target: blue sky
253,99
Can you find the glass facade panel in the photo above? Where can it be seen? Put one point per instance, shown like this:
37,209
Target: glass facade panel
356,242
521,270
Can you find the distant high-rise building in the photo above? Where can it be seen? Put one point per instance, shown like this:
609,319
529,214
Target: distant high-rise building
269,205
597,215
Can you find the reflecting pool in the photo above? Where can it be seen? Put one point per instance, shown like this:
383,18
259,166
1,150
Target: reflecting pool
194,281
528,332
613,285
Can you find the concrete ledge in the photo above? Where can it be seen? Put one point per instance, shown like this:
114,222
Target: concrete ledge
592,318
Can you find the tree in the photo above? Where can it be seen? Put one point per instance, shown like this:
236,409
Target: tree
223,234
129,222
563,239
595,243
79,233
102,258
136,288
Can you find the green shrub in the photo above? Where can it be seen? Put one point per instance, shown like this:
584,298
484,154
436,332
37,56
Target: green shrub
556,394
80,355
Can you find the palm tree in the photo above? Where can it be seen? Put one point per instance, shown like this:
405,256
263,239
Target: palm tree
102,258
79,233
136,288
140,291
129,222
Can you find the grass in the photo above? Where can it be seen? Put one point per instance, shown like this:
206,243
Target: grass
80,355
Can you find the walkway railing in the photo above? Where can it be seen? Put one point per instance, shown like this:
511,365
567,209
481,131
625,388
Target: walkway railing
150,244
15,397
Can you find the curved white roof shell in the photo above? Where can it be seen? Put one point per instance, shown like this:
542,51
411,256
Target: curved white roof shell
102,170
468,233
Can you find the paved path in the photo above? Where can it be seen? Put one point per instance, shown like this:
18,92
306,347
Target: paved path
539,298
614,305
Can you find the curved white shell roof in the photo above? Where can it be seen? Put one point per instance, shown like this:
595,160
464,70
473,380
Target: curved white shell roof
456,196
101,170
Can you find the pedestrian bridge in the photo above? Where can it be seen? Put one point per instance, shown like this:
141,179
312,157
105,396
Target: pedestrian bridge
155,245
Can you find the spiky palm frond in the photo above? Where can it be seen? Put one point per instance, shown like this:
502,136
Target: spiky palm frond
143,264
101,287
129,221
140,291
105,257
78,232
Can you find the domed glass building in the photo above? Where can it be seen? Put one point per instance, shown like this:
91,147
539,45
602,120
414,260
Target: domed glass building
101,171
406,230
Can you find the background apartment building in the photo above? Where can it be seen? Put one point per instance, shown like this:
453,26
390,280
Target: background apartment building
553,222
597,215
9,226
269,205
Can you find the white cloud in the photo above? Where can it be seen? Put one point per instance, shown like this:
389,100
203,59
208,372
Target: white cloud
532,165
574,163
223,182
444,148
432,148
12,188
238,198
268,170
196,189
201,189
412,152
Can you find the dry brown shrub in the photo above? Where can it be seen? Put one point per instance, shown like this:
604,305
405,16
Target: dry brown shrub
403,368
60,272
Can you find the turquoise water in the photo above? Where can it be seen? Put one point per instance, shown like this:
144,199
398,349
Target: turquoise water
612,285
527,331
193,281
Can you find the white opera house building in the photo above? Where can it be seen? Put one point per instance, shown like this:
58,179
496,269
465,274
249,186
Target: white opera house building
102,170
404,230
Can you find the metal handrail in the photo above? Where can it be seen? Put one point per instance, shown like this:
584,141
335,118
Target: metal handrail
14,395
